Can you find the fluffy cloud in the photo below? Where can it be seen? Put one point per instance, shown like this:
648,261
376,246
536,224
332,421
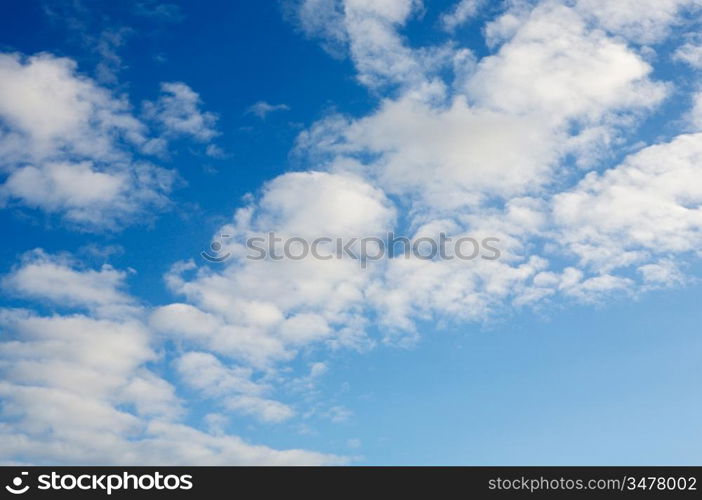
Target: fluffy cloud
642,21
368,32
462,12
47,107
557,65
646,207
524,145
240,311
178,112
690,53
232,387
444,156
637,21
479,156
486,152
66,146
518,112
57,279
77,388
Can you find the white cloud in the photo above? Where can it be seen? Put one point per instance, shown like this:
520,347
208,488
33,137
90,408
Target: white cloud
267,410
485,153
77,389
642,21
263,109
647,206
239,311
445,156
178,112
461,13
55,279
664,273
505,125
636,21
89,198
77,367
555,64
66,147
690,53
368,31
161,443
694,116
233,388
49,108
206,373
323,19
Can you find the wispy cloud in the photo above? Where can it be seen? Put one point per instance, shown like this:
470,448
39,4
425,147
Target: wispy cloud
263,109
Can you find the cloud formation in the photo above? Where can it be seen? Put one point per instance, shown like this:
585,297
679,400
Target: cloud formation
491,149
77,386
532,144
177,111
67,147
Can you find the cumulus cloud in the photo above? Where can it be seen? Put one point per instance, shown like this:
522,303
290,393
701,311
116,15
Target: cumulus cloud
368,32
62,146
240,311
231,386
531,144
57,279
649,206
479,156
642,21
77,388
178,112
486,152
514,112
46,106
556,64
446,156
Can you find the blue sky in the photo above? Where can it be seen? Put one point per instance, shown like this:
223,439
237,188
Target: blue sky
132,134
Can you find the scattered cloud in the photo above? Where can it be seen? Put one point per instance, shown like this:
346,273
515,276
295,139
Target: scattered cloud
641,21
237,312
108,43
642,210
67,146
461,13
162,11
233,388
106,405
533,144
690,53
263,109
56,279
178,112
